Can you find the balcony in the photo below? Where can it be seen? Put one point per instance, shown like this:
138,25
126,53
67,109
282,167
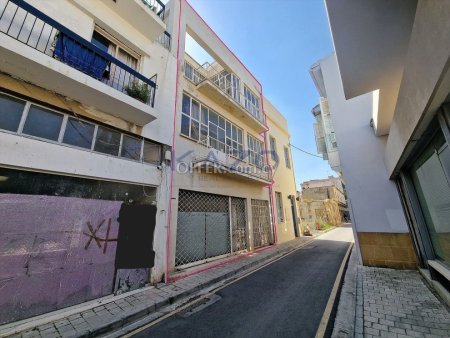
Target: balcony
38,49
211,161
146,16
225,89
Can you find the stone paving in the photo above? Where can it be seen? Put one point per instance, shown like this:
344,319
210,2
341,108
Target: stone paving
120,310
397,304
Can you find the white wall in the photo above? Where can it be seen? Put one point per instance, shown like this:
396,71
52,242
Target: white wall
375,202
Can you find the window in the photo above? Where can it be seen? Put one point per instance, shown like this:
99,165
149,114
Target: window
430,178
43,123
79,133
190,124
205,125
279,205
287,158
251,103
117,78
131,147
107,141
216,131
229,83
234,137
191,73
152,153
255,151
273,149
11,111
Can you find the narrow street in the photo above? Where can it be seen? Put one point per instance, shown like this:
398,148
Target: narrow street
285,299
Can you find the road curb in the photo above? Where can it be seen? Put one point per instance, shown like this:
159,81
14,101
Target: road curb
247,268
334,294
150,299
344,325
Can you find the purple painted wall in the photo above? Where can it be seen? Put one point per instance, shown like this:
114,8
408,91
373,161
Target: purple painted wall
48,259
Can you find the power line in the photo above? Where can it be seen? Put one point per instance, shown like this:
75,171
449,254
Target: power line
304,151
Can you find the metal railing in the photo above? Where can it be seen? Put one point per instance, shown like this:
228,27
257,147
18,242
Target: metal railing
224,83
165,40
156,6
209,227
30,26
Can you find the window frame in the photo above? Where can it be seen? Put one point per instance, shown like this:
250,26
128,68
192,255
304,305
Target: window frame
195,76
273,148
230,146
118,45
21,120
29,102
252,103
252,151
279,206
287,158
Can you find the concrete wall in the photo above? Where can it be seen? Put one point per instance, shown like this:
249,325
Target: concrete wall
426,81
371,41
44,262
375,202
58,240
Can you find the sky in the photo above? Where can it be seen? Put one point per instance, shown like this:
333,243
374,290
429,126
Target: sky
278,40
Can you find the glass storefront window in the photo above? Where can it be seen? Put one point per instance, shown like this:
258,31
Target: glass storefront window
431,178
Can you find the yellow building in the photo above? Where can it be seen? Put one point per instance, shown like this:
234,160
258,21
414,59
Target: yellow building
287,216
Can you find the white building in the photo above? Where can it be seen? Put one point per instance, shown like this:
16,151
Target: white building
85,88
225,196
388,89
323,128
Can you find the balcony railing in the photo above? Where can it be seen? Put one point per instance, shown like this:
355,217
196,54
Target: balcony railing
30,26
156,6
225,82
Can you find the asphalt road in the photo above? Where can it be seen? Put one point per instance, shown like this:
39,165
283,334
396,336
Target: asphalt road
285,299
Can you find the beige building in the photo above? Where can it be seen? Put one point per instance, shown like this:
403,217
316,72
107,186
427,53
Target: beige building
224,199
391,118
316,214
284,186
323,201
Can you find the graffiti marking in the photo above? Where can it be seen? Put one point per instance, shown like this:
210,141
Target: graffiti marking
93,236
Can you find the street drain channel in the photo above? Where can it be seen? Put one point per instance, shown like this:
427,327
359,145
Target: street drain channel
199,306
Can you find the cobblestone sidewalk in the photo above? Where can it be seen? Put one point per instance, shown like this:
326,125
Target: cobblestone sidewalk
103,316
397,304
